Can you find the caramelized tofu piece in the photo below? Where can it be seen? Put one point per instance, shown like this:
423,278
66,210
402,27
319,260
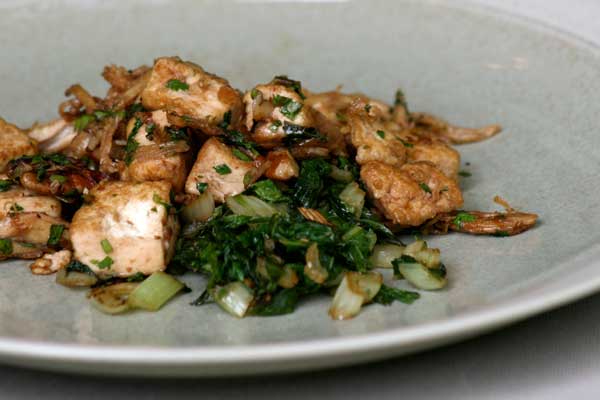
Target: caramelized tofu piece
15,143
282,165
198,98
157,162
31,228
224,172
125,229
411,194
444,157
371,138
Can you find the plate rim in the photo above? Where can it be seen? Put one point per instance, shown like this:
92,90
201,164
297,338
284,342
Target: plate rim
392,340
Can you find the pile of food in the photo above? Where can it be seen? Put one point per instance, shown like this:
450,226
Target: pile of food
273,194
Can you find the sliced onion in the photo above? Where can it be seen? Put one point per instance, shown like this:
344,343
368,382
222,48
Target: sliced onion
420,276
415,246
113,299
341,175
384,254
313,268
75,279
250,206
235,298
368,284
288,278
155,291
354,197
426,256
200,209
347,301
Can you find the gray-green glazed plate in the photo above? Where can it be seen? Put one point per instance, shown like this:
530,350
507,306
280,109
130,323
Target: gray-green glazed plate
467,64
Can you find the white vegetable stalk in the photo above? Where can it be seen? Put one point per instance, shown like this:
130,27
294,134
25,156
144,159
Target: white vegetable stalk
155,291
235,298
420,276
250,206
355,290
354,197
200,209
313,268
384,254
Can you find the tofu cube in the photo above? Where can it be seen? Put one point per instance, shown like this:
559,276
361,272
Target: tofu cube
201,99
225,174
133,219
15,143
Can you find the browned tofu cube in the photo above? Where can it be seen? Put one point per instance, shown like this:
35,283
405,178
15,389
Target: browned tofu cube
133,220
225,174
185,90
14,143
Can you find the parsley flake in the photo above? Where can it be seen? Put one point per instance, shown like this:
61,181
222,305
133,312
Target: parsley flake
132,144
241,155
425,187
176,85
381,134
106,246
6,247
201,186
465,174
58,178
105,263
5,184
222,169
56,232
463,217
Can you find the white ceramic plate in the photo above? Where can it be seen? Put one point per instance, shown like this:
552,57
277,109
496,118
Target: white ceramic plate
470,65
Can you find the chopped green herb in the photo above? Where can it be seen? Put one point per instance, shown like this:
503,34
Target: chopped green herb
56,232
254,93
341,117
150,131
405,143
465,174
295,85
226,120
501,233
176,134
158,200
296,133
241,155
368,107
176,85
387,295
463,217
222,169
76,266
105,263
106,246
400,99
83,121
5,184
58,178
132,144
201,186
275,126
381,134
425,187
15,208
6,247
137,277
289,108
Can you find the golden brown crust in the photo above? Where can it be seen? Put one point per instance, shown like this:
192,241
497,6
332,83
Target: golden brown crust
411,194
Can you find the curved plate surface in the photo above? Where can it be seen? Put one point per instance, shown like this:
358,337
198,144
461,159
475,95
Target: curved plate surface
469,65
